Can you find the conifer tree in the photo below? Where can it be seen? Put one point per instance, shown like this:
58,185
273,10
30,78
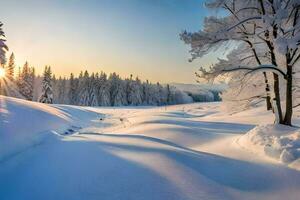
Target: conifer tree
10,67
72,90
3,46
103,90
84,96
117,90
26,82
3,49
93,100
47,93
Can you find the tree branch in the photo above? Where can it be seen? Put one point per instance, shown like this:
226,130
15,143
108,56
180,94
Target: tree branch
259,68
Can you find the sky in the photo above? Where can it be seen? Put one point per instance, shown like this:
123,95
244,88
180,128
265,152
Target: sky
139,37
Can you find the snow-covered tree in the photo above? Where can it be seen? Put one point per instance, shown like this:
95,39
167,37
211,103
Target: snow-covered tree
93,91
134,91
72,95
3,49
9,85
103,93
146,88
117,90
270,27
47,92
61,90
244,91
31,80
3,46
10,67
87,90
26,82
168,95
55,88
84,97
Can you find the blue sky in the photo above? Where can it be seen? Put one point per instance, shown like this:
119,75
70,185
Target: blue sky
139,37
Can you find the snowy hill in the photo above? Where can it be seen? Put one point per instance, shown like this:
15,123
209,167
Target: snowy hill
192,151
24,123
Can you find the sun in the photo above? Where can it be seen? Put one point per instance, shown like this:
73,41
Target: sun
2,72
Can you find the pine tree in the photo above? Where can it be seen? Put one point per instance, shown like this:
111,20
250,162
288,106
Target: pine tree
61,90
84,96
3,49
3,46
130,90
72,90
135,96
158,94
55,86
93,100
146,88
169,95
117,91
47,93
9,82
10,67
19,80
26,82
31,79
103,90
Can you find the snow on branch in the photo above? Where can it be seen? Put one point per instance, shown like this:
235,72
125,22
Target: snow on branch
214,72
263,68
243,21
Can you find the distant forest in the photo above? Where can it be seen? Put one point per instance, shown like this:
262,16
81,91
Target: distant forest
93,89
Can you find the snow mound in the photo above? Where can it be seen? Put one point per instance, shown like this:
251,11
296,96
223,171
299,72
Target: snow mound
24,124
276,141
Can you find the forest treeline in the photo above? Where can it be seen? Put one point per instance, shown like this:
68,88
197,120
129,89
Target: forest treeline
87,89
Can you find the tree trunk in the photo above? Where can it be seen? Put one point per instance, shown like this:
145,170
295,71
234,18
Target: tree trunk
268,98
277,98
289,97
267,86
275,79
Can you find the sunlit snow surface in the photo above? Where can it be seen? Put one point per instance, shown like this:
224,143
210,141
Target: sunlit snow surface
177,152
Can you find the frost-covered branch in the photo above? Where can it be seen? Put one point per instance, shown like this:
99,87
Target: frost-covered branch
242,22
264,68
270,28
214,72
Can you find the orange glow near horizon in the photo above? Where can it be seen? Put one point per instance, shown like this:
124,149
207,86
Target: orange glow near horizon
128,37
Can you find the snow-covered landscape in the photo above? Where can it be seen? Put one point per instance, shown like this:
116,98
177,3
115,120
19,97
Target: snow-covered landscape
150,100
190,151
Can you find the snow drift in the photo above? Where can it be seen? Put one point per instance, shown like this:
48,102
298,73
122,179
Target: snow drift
171,152
275,141
24,123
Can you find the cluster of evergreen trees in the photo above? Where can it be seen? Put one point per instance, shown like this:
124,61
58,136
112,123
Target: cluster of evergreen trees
95,89
99,89
21,85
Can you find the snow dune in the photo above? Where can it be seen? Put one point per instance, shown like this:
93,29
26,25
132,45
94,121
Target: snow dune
24,124
175,152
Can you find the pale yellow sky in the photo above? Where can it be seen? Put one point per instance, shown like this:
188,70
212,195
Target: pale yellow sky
137,37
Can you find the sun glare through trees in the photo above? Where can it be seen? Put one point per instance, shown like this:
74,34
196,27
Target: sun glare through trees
2,73
98,99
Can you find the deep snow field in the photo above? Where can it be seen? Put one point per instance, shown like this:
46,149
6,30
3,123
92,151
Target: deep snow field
193,151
